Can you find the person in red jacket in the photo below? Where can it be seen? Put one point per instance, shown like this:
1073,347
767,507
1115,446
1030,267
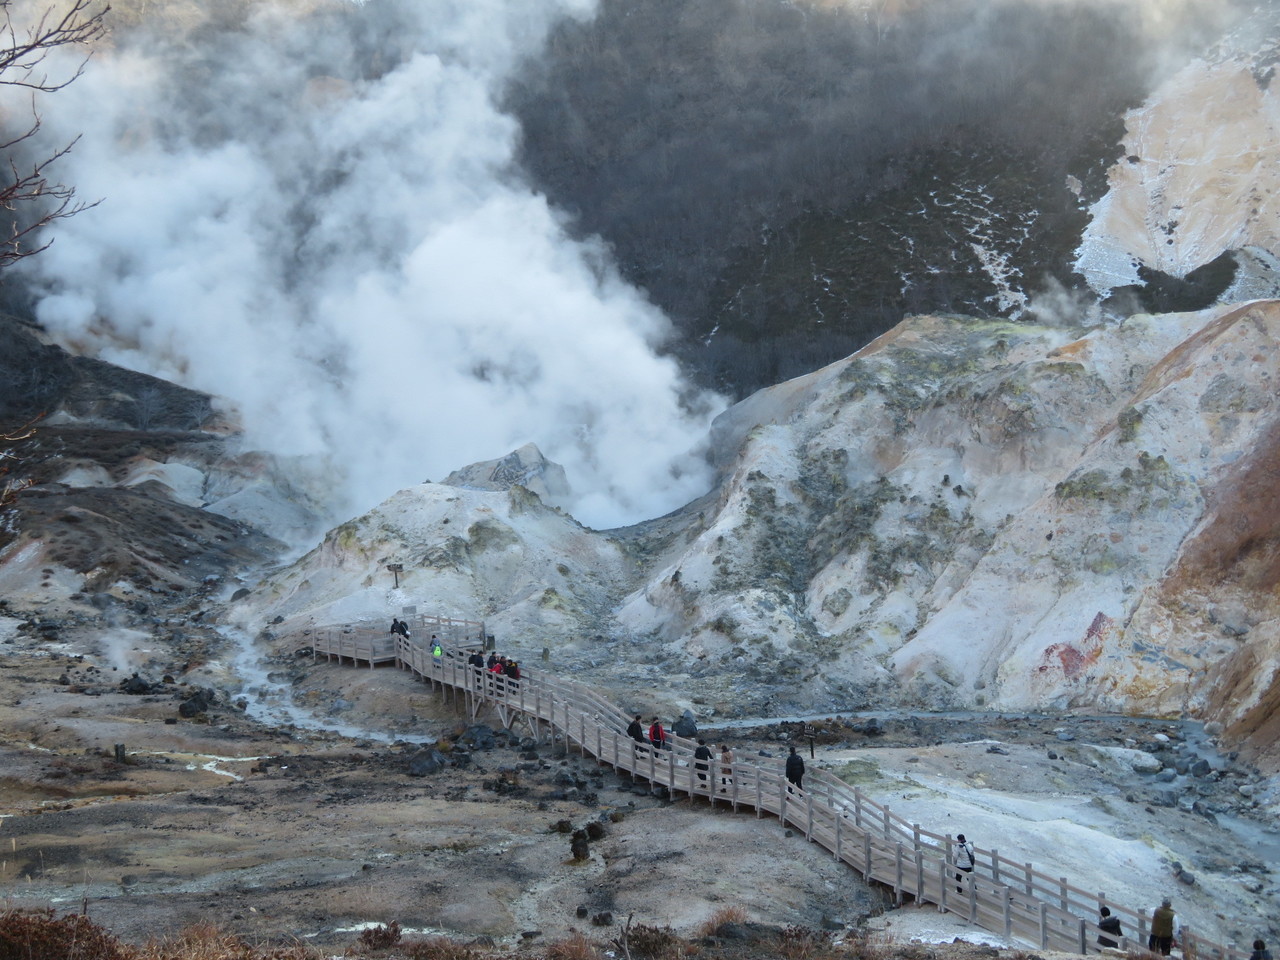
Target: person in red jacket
657,736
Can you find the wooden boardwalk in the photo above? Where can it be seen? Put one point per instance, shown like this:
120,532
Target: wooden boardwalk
1006,897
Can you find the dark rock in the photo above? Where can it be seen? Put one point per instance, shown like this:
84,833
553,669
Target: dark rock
562,826
1052,755
595,830
578,845
1201,768
479,737
686,726
582,912
1066,736
427,761
530,934
1167,776
1187,877
995,749
602,919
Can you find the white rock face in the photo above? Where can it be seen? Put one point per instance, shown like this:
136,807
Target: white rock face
1200,177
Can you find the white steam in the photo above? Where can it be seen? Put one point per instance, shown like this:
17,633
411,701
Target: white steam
342,246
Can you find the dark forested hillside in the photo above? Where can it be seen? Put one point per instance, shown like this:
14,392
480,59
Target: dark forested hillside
787,180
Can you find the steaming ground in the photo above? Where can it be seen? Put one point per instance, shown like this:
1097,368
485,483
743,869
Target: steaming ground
387,235
333,236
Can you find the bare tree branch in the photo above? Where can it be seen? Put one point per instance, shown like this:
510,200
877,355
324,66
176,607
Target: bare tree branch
23,53
27,196
10,488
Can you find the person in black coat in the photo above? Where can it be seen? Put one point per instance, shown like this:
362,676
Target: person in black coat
701,755
1109,924
635,730
795,768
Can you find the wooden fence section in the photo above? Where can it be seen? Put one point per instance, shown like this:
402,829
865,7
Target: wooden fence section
1001,895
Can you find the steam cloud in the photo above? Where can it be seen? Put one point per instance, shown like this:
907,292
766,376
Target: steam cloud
318,216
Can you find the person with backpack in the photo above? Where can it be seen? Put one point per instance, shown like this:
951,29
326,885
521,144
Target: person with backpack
657,736
437,651
701,755
1260,951
964,860
636,732
1108,924
795,769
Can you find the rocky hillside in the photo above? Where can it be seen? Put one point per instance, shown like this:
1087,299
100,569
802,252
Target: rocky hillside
1067,511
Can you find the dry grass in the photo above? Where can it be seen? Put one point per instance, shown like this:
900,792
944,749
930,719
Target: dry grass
651,943
573,947
803,943
27,935
204,941
720,917
438,948
382,937
861,945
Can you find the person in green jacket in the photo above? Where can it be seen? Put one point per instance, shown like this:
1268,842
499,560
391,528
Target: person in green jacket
1161,939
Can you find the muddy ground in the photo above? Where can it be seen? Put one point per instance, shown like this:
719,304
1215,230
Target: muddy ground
295,833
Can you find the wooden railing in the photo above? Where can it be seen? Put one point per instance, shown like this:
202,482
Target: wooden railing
1005,896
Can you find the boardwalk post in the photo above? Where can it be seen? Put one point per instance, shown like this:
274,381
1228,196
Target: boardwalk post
1082,942
995,865
808,828
1044,925
897,873
973,898
866,855
839,821
1064,894
1031,883
943,883
857,807
915,836
919,874
886,822
1007,911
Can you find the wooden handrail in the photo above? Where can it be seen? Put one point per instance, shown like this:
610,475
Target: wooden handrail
1002,895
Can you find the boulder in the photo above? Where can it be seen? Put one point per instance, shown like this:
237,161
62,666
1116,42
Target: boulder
426,762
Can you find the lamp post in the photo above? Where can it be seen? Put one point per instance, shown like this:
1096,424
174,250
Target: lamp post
395,569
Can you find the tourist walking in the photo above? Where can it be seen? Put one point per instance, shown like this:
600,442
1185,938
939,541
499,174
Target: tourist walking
701,755
437,651
1108,924
635,730
964,860
1260,951
657,736
726,767
795,769
1161,939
